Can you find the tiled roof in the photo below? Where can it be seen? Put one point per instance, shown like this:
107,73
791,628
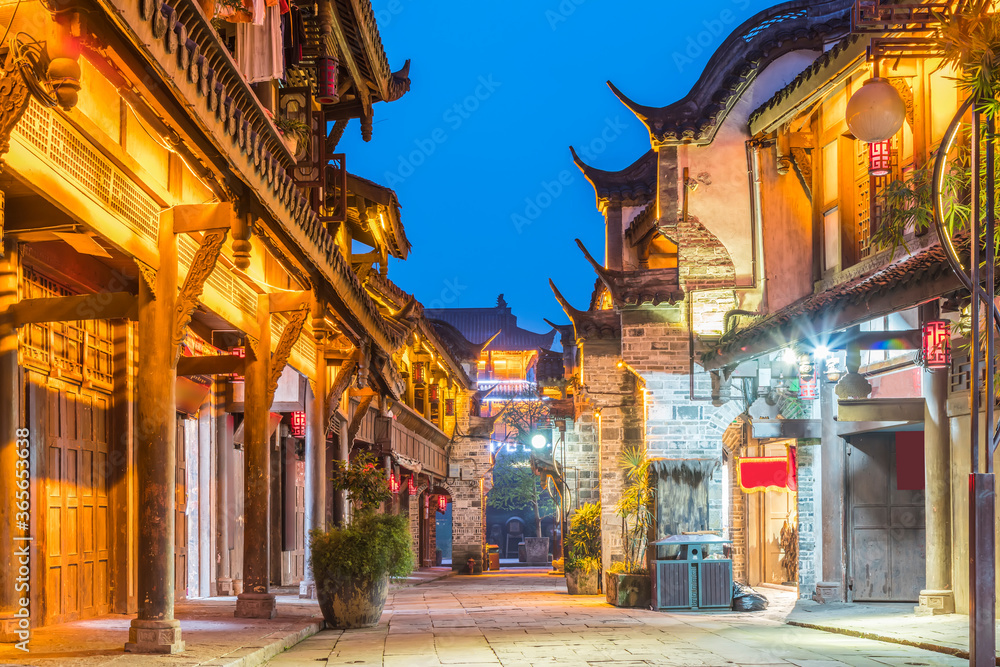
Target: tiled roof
478,325
635,185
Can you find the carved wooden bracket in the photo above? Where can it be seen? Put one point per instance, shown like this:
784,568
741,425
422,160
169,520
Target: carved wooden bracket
340,385
148,274
802,162
279,357
14,99
359,416
194,284
902,85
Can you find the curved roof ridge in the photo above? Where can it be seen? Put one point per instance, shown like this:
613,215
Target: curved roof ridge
758,41
632,185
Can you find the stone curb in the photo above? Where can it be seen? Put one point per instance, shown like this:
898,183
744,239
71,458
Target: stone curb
262,654
925,645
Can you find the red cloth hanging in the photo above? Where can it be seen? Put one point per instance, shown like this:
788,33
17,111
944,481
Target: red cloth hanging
761,473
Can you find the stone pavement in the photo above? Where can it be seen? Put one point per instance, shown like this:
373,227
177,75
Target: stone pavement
526,618
213,636
888,622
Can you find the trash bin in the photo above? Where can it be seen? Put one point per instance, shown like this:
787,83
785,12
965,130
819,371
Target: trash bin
698,577
493,551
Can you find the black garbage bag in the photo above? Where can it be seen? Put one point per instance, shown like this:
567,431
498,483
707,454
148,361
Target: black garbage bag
747,599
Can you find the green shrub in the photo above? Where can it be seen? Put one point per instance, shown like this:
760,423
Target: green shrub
583,540
372,546
364,482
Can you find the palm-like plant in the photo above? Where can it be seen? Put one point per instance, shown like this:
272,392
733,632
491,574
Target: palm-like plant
583,541
635,509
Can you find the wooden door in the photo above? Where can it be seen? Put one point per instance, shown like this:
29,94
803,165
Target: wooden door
77,518
180,516
886,525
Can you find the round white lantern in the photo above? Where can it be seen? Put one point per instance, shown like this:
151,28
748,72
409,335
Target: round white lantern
876,111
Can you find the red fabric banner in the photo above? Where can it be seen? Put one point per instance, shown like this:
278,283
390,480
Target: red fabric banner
768,472
910,460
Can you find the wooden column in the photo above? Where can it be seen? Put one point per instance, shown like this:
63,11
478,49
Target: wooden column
833,462
223,502
257,601
9,423
343,454
315,518
155,630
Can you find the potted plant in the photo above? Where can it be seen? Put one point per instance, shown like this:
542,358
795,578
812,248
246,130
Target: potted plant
583,558
294,132
353,564
627,584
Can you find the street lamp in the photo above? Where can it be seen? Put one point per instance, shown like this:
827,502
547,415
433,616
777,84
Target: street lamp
538,441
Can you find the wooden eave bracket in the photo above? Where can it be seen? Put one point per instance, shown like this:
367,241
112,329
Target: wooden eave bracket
359,416
194,283
194,218
279,358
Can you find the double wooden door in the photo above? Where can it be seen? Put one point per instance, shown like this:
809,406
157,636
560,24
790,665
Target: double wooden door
77,520
886,525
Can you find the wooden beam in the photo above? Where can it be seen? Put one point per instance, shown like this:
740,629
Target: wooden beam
215,365
190,218
285,302
371,50
344,49
359,416
103,306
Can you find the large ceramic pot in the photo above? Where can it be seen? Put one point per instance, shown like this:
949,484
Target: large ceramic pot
627,590
348,603
581,582
536,550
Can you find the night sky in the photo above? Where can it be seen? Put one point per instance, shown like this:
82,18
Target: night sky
478,149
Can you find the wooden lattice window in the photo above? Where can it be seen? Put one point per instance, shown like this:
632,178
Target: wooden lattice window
869,210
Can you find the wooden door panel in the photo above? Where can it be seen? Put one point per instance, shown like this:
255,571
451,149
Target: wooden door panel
871,564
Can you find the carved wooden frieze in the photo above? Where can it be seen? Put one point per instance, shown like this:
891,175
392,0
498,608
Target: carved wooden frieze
359,416
289,336
194,284
340,385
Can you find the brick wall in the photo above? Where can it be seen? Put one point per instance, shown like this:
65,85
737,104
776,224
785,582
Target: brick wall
736,522
807,459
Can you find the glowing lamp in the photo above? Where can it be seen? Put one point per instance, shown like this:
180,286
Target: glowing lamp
411,485
538,441
326,80
298,424
393,483
807,389
433,392
418,372
449,407
936,344
880,158
875,112
442,503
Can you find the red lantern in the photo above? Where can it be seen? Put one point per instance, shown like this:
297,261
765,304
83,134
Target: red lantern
434,392
326,80
442,503
807,388
240,352
880,158
393,483
418,372
411,485
936,344
449,407
298,424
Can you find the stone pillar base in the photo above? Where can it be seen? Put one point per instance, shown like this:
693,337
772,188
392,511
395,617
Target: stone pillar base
935,603
224,586
154,637
307,590
256,605
11,631
827,592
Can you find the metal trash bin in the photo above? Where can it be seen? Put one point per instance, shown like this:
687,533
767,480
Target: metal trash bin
698,578
493,554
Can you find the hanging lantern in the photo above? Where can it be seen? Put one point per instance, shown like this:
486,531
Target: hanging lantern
876,111
442,503
880,158
298,424
326,80
936,344
808,389
418,372
393,483
434,392
449,407
411,485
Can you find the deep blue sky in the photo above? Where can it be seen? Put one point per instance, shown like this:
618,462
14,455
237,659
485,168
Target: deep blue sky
539,70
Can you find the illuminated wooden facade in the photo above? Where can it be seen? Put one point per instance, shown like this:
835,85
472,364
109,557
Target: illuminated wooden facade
185,332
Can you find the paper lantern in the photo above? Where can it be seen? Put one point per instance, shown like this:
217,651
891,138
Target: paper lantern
298,424
880,158
442,503
411,485
449,407
434,392
326,80
418,372
808,388
393,483
876,112
936,344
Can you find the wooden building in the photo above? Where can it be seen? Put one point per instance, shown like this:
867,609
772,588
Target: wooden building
186,336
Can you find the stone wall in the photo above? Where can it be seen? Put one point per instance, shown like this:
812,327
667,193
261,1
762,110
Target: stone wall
580,452
808,480
470,453
736,522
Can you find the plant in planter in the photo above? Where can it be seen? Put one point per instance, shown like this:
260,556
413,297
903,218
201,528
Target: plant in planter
294,131
627,581
583,560
353,564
